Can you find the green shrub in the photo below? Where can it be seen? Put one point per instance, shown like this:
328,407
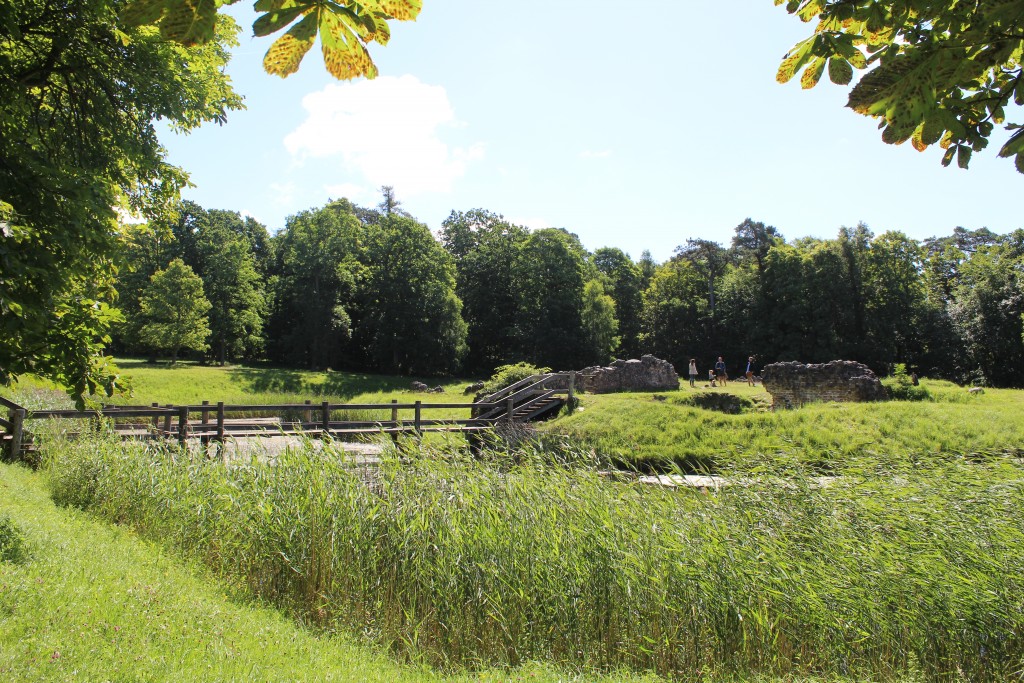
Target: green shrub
902,386
13,547
507,375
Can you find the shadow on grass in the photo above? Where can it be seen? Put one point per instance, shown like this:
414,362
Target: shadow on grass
342,384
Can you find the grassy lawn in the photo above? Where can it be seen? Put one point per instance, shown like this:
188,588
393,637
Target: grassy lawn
187,382
93,602
668,428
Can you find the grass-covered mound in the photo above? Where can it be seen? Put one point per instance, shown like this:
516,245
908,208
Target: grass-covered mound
639,430
907,570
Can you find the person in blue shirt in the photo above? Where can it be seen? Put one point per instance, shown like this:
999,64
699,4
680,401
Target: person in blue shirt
750,371
720,372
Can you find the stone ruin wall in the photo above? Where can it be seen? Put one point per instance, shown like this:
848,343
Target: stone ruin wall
793,384
646,374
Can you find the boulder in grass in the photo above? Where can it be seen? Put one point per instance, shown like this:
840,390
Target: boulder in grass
646,374
419,387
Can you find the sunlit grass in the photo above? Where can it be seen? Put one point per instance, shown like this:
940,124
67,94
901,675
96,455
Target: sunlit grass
638,429
189,383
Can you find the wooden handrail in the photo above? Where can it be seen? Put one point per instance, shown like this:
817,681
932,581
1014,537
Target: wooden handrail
92,414
501,393
174,410
9,404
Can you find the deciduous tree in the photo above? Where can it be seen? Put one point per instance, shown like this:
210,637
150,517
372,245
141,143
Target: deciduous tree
174,309
490,279
942,71
344,27
412,318
77,143
599,325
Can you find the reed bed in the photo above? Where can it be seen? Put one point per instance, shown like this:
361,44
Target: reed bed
895,573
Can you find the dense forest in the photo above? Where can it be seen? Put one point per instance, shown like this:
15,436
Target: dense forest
348,287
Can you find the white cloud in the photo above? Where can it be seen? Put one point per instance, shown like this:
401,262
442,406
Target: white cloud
531,223
592,154
387,131
284,193
350,191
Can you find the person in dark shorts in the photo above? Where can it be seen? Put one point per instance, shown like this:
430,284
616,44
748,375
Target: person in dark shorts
720,373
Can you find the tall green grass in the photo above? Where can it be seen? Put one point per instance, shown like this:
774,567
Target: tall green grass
83,600
890,573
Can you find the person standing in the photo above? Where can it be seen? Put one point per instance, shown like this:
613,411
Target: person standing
720,372
693,372
750,371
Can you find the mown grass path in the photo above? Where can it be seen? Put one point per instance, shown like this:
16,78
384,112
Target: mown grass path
94,602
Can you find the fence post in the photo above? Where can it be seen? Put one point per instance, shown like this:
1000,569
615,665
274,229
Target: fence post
510,409
572,391
220,421
418,419
325,419
307,415
394,420
17,432
156,418
206,413
182,424
167,420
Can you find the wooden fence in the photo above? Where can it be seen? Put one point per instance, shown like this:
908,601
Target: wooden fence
523,401
217,422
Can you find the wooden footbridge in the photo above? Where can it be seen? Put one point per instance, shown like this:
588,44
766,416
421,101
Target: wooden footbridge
533,398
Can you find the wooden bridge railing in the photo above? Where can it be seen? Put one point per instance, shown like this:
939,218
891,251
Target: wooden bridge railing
219,421
216,422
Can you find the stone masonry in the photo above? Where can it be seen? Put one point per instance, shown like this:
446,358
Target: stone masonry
647,374
794,384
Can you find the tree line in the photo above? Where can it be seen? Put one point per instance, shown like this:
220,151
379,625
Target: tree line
349,287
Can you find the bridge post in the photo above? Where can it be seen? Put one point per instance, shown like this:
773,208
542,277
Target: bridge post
510,409
17,431
220,421
325,419
394,420
418,419
206,413
167,420
307,415
182,425
156,418
572,391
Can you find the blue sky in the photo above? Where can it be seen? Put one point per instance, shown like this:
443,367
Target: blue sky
633,124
